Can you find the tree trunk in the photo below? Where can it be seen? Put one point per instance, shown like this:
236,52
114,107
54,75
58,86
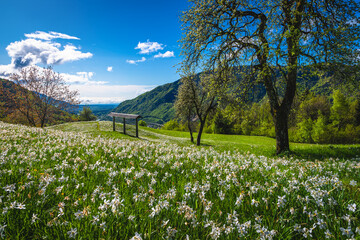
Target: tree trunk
198,140
190,130
281,131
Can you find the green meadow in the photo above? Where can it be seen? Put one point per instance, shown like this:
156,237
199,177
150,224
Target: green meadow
84,181
257,145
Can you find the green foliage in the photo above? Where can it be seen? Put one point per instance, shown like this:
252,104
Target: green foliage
142,123
313,105
222,124
320,132
155,106
172,125
357,112
86,114
304,131
340,109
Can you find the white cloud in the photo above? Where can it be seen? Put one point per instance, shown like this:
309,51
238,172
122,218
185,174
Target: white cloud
143,59
167,54
30,52
149,47
109,93
49,36
81,78
109,69
37,49
7,70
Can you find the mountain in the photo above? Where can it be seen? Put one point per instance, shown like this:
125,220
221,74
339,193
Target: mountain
98,110
12,108
155,106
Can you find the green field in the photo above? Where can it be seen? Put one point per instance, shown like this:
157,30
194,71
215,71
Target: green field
87,182
244,144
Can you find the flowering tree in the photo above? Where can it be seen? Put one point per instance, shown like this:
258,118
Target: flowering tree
47,93
195,99
267,42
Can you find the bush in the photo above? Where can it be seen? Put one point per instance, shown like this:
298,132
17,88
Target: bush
171,125
142,123
87,115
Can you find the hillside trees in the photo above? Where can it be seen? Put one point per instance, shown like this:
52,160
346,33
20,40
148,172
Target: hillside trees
195,97
86,114
272,39
47,94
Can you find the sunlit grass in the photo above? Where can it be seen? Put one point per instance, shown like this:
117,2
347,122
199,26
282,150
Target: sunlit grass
253,144
59,185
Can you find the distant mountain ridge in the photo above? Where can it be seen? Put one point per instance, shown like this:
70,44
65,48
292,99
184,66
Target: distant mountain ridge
157,105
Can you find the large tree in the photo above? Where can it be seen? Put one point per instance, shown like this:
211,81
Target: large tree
271,41
47,93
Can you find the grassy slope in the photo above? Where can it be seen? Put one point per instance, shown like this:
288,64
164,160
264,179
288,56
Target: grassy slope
252,144
154,106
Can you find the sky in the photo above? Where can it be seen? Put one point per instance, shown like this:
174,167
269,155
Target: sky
109,51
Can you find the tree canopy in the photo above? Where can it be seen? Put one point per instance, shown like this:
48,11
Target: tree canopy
268,41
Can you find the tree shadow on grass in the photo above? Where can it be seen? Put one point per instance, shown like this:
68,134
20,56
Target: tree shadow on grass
325,152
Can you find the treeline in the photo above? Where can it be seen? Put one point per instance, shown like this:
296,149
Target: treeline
313,119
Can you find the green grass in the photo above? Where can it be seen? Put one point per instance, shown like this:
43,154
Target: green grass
244,144
104,185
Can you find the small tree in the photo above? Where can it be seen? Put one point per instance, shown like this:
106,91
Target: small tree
87,115
196,97
184,107
340,109
47,93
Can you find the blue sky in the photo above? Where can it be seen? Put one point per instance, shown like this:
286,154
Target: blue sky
108,50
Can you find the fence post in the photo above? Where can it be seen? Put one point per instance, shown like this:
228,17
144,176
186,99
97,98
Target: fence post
124,127
113,123
137,128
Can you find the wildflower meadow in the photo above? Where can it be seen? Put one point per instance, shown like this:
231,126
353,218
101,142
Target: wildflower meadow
63,185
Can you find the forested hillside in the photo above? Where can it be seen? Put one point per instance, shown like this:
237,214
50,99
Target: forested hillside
156,106
12,98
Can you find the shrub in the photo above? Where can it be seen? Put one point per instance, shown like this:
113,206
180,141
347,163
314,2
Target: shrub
171,125
87,115
142,123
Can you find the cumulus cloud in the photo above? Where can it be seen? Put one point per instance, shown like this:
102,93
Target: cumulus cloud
31,51
143,59
167,54
84,78
109,69
49,36
149,47
100,94
38,49
7,70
